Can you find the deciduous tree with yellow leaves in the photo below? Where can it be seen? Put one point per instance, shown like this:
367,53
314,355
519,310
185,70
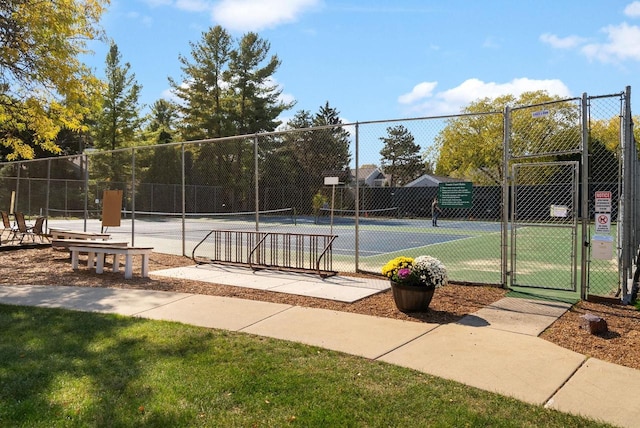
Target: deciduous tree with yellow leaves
44,86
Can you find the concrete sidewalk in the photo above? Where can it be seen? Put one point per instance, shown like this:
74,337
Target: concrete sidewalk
495,349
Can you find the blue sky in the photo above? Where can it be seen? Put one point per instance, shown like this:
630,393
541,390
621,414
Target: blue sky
375,59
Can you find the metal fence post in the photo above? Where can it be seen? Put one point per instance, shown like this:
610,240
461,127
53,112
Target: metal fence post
505,195
46,204
256,179
133,196
17,198
86,189
357,204
183,202
627,181
585,198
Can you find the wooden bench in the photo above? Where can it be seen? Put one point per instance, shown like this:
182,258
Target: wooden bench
66,243
60,244
101,251
77,234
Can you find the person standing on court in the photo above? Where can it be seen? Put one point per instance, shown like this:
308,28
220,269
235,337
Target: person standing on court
435,211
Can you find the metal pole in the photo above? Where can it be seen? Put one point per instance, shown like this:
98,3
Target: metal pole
357,204
85,158
17,199
505,195
256,179
46,204
133,196
333,200
627,196
184,205
584,264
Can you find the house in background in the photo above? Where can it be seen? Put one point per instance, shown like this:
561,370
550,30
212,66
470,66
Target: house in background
430,180
371,176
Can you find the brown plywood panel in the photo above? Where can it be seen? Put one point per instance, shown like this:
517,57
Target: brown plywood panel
111,207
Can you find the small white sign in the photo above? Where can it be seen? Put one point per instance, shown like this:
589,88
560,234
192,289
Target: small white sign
603,223
331,181
602,247
559,210
540,113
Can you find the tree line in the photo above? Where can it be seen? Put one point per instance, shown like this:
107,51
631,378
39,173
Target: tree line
51,105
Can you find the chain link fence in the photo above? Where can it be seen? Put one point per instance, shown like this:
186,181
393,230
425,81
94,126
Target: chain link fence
175,194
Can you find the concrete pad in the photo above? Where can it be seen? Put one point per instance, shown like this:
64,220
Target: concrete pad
520,366
602,391
216,312
226,277
326,291
525,316
354,281
354,334
108,300
339,288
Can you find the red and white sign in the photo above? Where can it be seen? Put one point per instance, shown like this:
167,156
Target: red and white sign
603,202
603,223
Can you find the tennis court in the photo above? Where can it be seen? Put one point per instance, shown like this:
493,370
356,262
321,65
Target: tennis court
472,250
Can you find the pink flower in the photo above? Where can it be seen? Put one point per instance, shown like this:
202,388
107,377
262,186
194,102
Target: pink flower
404,273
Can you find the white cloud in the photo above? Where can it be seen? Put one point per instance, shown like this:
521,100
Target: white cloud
254,15
561,43
623,43
145,20
244,15
491,43
194,5
156,3
633,9
421,90
451,101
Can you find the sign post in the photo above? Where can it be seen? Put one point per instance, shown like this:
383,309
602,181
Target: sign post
332,181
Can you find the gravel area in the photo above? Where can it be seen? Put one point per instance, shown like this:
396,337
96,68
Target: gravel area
46,266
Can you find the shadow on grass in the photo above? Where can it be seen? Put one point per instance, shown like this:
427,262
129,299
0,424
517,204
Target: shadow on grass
98,363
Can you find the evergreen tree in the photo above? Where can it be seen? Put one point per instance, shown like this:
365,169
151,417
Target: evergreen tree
203,108
119,119
118,122
227,90
162,122
162,178
320,148
254,98
400,156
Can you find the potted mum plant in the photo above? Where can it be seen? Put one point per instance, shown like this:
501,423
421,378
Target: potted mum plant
414,281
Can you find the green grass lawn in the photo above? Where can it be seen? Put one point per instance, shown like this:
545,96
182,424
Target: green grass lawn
72,369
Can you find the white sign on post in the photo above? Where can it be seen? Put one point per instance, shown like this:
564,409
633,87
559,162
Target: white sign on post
331,181
603,223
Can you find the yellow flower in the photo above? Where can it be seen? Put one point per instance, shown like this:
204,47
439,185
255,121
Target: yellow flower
393,266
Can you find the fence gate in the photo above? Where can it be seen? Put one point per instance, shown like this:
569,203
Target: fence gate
544,225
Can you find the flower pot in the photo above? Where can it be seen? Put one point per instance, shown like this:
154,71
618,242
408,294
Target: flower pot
410,298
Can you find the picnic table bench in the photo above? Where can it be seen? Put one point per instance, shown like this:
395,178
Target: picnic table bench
99,250
66,243
77,234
